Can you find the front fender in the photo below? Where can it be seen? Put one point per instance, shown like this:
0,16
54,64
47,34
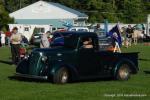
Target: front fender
23,67
71,68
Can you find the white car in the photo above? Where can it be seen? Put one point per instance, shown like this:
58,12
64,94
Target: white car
81,29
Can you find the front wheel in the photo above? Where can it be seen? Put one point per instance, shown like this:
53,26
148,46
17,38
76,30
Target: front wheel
61,76
123,73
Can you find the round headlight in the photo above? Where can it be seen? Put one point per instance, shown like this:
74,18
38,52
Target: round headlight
44,58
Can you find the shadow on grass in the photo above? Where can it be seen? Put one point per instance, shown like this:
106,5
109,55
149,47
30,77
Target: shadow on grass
147,72
50,81
94,80
6,62
144,59
27,79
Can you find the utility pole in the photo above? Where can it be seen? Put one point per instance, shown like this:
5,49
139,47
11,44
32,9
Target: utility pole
20,4
113,3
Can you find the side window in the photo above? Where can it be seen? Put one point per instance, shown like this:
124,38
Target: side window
73,29
26,29
83,30
42,30
86,43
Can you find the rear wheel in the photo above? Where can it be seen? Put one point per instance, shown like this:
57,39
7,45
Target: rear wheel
61,76
123,72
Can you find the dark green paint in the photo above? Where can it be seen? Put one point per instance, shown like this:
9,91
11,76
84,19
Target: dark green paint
81,63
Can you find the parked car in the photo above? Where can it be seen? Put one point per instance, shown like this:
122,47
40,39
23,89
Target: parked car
36,37
79,58
79,29
146,38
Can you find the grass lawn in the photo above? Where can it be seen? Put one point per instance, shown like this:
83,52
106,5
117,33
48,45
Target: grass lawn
139,84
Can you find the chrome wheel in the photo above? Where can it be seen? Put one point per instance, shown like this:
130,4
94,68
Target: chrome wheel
123,72
61,76
64,77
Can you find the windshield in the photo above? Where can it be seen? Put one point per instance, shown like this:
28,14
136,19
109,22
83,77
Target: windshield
59,41
69,41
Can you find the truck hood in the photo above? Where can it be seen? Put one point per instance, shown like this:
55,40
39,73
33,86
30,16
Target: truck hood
36,65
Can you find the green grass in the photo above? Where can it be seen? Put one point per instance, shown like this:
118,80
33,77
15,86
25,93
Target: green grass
99,90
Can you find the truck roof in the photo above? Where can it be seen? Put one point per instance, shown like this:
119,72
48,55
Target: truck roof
74,33
70,38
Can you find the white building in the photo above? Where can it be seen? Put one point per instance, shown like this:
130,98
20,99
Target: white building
49,13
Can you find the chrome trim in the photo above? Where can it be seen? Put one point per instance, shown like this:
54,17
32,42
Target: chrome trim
59,54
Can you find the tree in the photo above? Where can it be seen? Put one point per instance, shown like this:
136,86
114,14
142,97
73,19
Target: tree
127,11
133,11
4,17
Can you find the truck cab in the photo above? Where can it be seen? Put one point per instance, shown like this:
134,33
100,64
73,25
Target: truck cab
78,58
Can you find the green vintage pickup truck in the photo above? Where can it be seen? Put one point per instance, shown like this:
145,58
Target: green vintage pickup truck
78,58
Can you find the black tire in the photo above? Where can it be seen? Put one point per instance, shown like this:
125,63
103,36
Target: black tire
123,72
61,76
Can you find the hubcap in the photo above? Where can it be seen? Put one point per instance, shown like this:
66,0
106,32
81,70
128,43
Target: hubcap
124,72
64,77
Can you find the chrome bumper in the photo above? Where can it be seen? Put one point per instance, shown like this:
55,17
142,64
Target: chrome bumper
31,76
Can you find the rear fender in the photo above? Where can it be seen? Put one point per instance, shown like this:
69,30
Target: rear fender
132,66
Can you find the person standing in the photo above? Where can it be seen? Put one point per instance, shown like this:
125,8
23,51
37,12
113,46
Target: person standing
15,40
1,34
98,30
129,32
44,43
8,34
2,39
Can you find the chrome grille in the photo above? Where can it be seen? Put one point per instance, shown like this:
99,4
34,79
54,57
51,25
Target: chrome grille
34,64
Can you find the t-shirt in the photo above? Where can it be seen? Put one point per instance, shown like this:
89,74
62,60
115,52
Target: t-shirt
15,38
8,34
44,42
99,31
129,32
